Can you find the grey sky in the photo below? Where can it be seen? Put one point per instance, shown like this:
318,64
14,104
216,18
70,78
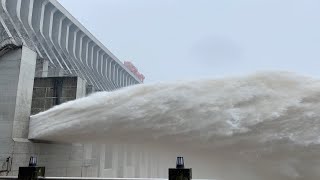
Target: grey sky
190,39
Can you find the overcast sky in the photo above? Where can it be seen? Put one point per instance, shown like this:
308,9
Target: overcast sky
191,39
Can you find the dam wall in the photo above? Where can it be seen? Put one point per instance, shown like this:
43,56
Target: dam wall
47,57
23,94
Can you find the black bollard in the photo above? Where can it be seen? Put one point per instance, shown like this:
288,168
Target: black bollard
33,161
32,172
180,173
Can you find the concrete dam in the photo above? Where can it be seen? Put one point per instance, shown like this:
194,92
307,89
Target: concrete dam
47,58
66,99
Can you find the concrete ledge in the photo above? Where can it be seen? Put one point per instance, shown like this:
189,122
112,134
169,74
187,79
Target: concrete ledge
21,140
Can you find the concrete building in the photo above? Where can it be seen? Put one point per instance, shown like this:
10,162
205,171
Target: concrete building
46,58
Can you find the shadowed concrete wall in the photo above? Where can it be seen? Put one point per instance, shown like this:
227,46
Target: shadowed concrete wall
9,73
52,91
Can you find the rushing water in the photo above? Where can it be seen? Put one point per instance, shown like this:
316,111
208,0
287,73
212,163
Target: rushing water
259,127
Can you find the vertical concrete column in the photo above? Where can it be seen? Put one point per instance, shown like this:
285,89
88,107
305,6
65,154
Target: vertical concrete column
87,158
81,88
130,81
108,160
45,69
24,93
101,159
61,72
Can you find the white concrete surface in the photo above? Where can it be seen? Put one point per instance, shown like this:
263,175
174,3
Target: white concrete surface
24,93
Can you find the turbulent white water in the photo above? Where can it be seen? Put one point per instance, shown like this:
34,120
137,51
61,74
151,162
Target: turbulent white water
263,126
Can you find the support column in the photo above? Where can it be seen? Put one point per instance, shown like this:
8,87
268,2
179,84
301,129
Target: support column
81,88
45,69
24,87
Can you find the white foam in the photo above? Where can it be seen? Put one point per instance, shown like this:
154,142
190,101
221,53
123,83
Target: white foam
266,113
